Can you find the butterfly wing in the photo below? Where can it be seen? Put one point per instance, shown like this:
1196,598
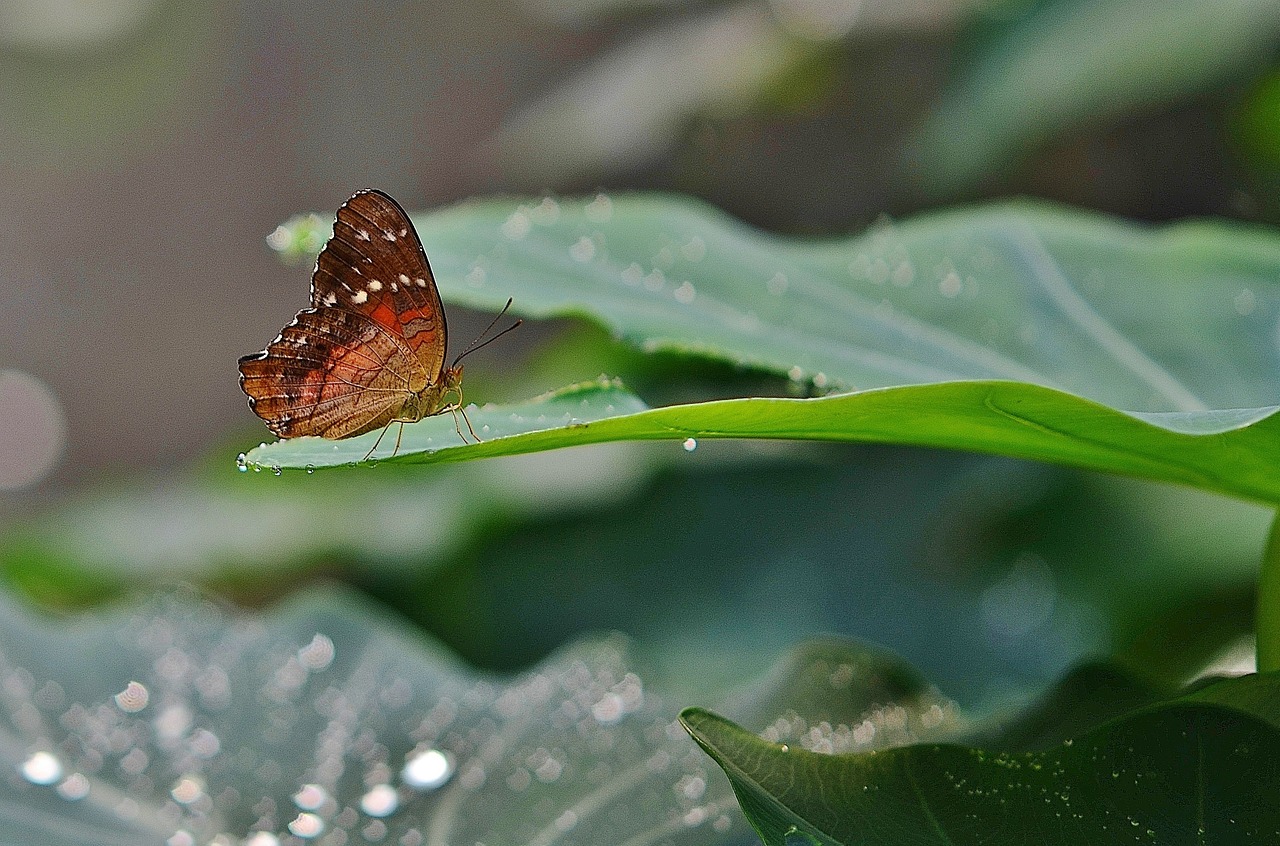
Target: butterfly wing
333,373
375,265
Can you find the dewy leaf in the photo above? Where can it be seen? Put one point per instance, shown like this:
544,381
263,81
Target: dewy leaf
1021,329
177,722
1199,769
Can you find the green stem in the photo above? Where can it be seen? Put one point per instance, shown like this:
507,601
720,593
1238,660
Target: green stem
1267,625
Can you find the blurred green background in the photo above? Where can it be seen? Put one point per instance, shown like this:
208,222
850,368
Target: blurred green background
147,148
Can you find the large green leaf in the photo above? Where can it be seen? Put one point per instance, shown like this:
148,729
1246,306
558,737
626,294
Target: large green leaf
1019,329
1198,769
177,722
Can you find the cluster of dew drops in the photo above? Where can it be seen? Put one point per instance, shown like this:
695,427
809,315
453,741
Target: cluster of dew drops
236,735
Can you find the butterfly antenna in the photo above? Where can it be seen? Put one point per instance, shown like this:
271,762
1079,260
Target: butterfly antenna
480,341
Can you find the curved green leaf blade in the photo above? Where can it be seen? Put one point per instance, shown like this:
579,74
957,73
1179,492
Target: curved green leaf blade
1007,418
1192,770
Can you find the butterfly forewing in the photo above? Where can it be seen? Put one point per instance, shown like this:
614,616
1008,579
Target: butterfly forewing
333,373
371,349
375,265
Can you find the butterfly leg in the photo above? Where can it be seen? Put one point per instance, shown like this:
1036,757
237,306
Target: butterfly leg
398,436
459,409
453,409
466,420
379,440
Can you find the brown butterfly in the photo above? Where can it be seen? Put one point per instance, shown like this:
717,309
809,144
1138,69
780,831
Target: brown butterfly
371,349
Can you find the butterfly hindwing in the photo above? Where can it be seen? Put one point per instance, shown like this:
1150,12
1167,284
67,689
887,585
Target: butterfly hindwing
375,265
333,373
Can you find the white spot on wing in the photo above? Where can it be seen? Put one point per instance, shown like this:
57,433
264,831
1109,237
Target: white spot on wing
330,299
364,234
359,297
375,285
390,236
394,287
404,280
421,283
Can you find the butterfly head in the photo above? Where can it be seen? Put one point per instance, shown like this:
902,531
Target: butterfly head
438,396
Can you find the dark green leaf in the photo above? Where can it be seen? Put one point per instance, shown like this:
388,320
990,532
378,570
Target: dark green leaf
1198,769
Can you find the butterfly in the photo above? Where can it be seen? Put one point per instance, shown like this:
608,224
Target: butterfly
370,351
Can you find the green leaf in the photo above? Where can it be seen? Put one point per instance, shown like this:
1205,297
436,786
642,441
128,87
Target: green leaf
1025,421
177,721
1073,62
1019,329
1174,319
1198,769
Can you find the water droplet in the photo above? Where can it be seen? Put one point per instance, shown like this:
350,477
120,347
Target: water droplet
600,209
904,274
583,250
181,837
318,654
517,225
41,768
75,786
242,463
380,801
690,444
694,817
275,470
695,250
311,468
546,212
262,838
427,770
307,826
566,821
796,837
310,797
257,468
133,698
187,790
